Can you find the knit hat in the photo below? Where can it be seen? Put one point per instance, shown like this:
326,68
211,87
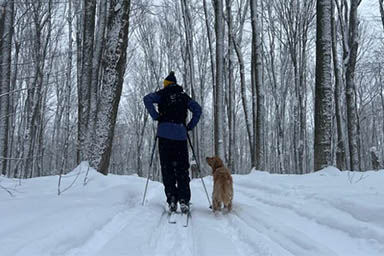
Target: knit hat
170,79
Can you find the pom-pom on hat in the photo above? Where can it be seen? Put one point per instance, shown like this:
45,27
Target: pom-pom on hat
170,79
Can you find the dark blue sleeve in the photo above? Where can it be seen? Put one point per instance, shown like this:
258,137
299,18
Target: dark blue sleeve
195,108
149,100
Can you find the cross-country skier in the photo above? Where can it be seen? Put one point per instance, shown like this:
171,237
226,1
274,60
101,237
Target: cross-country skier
173,103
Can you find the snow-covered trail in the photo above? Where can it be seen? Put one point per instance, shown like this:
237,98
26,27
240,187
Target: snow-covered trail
315,214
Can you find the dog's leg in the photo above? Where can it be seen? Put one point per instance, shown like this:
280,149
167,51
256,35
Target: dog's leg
229,206
216,204
219,205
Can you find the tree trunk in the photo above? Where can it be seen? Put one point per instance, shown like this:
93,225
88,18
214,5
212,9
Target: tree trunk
340,146
219,90
257,89
231,92
68,89
114,62
350,59
323,94
190,63
209,38
237,47
6,32
381,3
85,86
96,63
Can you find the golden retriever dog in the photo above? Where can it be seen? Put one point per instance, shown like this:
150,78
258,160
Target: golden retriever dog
222,184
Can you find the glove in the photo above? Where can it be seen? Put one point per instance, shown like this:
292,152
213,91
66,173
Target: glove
158,118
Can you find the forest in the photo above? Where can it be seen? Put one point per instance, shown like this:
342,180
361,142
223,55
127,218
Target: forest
286,86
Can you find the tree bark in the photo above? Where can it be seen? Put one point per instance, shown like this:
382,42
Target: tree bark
257,89
340,145
114,62
85,85
219,90
231,92
68,90
350,60
6,32
323,94
96,74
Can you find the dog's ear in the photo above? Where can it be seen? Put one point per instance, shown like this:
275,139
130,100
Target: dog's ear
209,161
218,162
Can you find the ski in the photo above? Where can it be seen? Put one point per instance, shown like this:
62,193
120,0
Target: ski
186,217
172,217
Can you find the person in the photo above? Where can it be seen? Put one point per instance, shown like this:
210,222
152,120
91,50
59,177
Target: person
173,105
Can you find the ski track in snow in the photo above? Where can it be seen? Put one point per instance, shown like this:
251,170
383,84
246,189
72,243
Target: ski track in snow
171,239
231,237
268,219
241,232
289,209
102,236
349,221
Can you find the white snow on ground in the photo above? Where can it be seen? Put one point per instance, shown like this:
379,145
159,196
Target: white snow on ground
323,213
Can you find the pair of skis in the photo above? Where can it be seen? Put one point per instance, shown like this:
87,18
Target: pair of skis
172,218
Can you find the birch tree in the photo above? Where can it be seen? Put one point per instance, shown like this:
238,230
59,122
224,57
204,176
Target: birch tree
324,94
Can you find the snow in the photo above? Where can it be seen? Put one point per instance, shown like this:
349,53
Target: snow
324,213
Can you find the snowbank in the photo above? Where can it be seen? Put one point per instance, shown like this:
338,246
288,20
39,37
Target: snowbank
324,213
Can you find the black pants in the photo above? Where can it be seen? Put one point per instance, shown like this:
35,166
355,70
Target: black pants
174,168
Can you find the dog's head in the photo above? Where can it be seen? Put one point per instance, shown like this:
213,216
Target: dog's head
215,162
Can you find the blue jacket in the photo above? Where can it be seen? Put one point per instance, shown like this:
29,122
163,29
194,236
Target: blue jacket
168,130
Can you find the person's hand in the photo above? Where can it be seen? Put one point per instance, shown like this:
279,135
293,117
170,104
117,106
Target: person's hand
158,118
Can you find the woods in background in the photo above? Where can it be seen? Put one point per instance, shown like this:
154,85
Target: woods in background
285,86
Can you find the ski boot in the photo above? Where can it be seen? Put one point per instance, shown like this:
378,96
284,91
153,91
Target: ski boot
184,207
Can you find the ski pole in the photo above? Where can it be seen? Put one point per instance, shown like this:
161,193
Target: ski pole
198,169
149,169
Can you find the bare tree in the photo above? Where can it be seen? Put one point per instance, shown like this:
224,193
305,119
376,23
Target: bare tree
381,4
114,63
230,85
350,58
190,63
339,84
84,87
257,88
324,94
96,74
68,90
6,31
219,89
